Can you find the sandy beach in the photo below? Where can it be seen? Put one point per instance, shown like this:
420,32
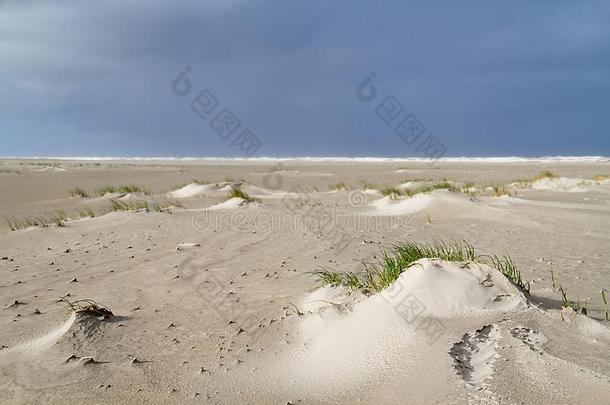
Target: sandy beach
205,270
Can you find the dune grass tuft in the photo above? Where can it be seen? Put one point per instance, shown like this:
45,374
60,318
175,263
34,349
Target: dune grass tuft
566,302
500,191
86,307
391,192
601,177
432,187
139,205
506,266
86,213
58,218
604,293
78,192
394,193
380,275
339,187
545,175
237,193
131,188
366,185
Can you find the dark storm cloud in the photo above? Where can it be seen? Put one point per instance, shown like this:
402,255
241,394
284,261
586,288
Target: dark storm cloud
488,78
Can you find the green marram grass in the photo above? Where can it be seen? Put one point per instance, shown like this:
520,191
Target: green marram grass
339,187
604,293
86,212
58,218
501,190
237,193
391,192
366,185
545,175
432,187
131,188
380,275
78,192
143,205
86,307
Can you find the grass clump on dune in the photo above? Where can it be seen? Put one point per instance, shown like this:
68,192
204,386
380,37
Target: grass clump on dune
432,187
394,193
86,307
139,205
378,276
78,192
391,192
117,205
367,185
237,193
601,177
500,191
545,175
604,293
86,213
339,187
23,223
58,218
131,188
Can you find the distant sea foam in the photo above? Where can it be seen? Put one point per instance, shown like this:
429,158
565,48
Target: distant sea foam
499,159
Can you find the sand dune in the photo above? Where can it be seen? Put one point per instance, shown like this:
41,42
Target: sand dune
215,302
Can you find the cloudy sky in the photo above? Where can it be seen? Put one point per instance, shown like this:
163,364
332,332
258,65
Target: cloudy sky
485,78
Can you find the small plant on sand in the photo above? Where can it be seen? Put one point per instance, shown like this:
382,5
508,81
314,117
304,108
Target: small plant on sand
602,177
131,188
86,307
78,192
86,213
566,302
237,193
400,257
117,205
507,267
393,262
500,191
545,175
554,284
164,207
468,186
391,192
367,185
605,300
336,279
432,187
59,218
338,187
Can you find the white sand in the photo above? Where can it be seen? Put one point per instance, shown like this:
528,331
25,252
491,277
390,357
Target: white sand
206,298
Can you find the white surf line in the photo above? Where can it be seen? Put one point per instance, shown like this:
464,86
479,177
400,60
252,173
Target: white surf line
43,342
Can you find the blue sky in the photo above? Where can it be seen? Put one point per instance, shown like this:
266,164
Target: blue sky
485,78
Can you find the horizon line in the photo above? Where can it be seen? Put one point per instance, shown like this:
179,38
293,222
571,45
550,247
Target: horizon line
316,158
